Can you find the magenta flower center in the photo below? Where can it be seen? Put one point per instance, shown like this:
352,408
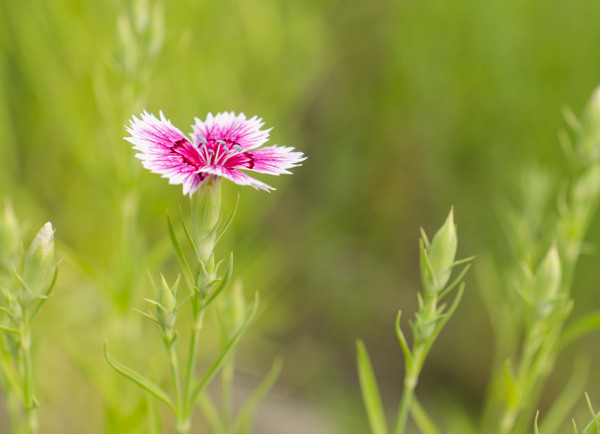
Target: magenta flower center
226,153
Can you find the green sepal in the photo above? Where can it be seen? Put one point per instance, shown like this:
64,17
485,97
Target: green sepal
218,288
139,379
243,421
216,366
370,391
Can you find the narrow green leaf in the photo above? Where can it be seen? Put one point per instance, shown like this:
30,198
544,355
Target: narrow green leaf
455,282
216,366
579,328
408,359
422,419
46,295
243,421
189,276
567,398
425,239
223,228
10,330
188,236
445,317
535,423
594,426
138,378
149,316
370,391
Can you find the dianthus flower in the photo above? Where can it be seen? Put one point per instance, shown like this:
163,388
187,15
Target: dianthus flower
219,147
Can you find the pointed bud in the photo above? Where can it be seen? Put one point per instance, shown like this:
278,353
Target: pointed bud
440,255
166,297
547,282
39,260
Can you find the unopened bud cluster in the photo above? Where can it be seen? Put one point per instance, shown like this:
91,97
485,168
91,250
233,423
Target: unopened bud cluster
27,283
165,314
437,260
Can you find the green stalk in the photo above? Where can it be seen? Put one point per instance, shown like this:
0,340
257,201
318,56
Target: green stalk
187,406
411,379
27,371
182,425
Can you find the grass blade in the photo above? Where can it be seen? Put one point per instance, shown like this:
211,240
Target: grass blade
370,391
216,366
138,378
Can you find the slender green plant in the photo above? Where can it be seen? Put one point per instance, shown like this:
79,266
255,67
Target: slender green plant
219,147
206,281
437,260
27,279
545,284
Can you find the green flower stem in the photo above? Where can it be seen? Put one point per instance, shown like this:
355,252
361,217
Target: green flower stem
411,378
27,373
182,424
188,406
206,210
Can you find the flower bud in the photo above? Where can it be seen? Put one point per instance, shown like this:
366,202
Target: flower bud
547,282
166,296
39,260
440,255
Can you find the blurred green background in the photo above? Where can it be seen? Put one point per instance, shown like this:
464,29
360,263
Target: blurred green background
404,109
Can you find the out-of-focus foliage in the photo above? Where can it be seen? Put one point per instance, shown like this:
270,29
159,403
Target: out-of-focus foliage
403,108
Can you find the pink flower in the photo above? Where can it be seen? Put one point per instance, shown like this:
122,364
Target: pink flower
219,147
